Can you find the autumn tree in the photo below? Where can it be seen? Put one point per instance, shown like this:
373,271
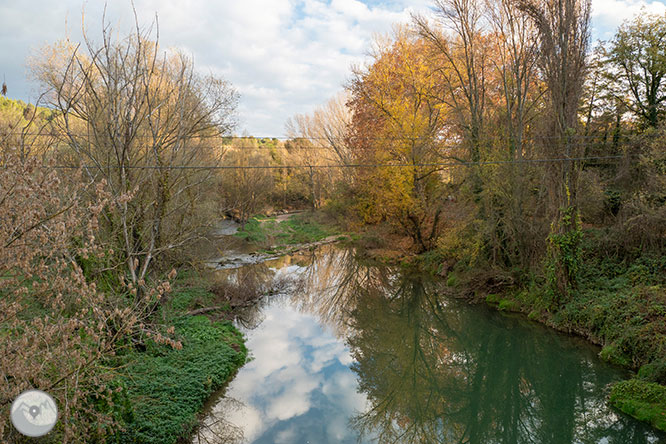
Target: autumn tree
142,120
398,125
245,181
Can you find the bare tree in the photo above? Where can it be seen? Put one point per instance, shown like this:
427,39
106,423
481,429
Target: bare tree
141,119
320,138
326,128
516,62
464,74
564,42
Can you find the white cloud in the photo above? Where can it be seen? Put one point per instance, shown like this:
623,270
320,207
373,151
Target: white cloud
297,367
607,15
283,56
296,385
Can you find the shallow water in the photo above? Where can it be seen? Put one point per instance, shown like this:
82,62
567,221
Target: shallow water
358,352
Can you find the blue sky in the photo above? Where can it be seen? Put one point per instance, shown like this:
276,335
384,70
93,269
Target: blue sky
283,56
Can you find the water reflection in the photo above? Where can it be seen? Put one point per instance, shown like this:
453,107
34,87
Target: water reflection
446,372
357,351
298,388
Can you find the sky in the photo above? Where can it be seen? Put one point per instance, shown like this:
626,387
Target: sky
283,56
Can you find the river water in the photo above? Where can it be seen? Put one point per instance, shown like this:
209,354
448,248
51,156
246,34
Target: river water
351,351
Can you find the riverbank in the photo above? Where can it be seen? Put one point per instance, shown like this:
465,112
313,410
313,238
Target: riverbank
164,388
619,305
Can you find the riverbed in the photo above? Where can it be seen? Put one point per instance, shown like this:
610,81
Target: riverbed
348,350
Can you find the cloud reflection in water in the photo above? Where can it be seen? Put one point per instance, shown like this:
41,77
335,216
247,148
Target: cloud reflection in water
298,386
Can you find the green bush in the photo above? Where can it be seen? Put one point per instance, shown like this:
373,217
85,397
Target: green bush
643,400
614,355
493,298
653,372
508,305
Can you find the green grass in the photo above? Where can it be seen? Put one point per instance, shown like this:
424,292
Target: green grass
299,229
257,229
165,388
645,401
507,305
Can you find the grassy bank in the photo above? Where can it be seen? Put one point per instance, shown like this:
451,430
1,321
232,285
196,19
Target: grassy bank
643,400
274,236
165,388
619,304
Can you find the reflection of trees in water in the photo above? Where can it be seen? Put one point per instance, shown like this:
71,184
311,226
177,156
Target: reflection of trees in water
333,283
215,429
258,282
436,372
326,281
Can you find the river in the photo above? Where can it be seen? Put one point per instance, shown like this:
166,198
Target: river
348,351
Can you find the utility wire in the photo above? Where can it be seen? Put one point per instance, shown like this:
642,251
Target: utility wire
295,148
300,138
350,165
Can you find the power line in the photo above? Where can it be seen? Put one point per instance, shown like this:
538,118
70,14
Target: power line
351,165
300,138
295,148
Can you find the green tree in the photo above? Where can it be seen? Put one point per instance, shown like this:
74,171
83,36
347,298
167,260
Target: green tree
637,56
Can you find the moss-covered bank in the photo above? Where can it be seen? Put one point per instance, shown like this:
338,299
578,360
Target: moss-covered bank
643,400
165,388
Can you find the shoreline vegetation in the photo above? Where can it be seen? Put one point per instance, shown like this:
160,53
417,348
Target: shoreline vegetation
164,389
487,142
619,306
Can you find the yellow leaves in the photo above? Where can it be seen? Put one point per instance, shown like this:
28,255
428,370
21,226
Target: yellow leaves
385,192
402,87
397,120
